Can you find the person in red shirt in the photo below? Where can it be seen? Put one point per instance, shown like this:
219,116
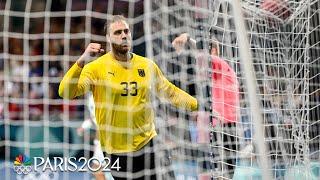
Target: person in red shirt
224,102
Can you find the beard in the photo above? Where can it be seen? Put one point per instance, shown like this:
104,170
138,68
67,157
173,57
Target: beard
120,49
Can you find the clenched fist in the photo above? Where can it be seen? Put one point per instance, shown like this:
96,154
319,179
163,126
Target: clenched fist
180,41
91,53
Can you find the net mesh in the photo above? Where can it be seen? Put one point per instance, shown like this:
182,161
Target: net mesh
42,39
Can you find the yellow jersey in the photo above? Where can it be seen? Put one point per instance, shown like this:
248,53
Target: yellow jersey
123,96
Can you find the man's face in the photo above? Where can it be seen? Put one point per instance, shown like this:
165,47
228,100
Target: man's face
120,37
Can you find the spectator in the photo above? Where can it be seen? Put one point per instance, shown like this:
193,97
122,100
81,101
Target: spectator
225,98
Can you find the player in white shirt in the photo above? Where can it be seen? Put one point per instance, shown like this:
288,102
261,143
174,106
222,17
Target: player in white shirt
86,125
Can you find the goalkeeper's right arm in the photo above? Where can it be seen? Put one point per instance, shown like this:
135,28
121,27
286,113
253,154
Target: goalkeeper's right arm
78,79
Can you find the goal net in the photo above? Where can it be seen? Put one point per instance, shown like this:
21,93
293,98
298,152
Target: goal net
283,44
224,140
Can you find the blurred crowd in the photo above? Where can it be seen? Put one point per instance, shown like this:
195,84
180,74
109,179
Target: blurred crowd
31,68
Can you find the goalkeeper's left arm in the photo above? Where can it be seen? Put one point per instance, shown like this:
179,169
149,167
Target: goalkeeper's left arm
173,94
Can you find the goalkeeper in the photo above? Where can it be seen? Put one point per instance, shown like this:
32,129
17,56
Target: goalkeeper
122,84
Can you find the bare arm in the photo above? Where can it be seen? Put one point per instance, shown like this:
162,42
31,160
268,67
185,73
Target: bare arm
182,40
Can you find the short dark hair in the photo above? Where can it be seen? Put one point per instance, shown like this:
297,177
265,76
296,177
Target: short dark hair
114,19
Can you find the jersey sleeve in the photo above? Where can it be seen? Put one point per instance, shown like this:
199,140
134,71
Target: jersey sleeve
76,82
168,91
